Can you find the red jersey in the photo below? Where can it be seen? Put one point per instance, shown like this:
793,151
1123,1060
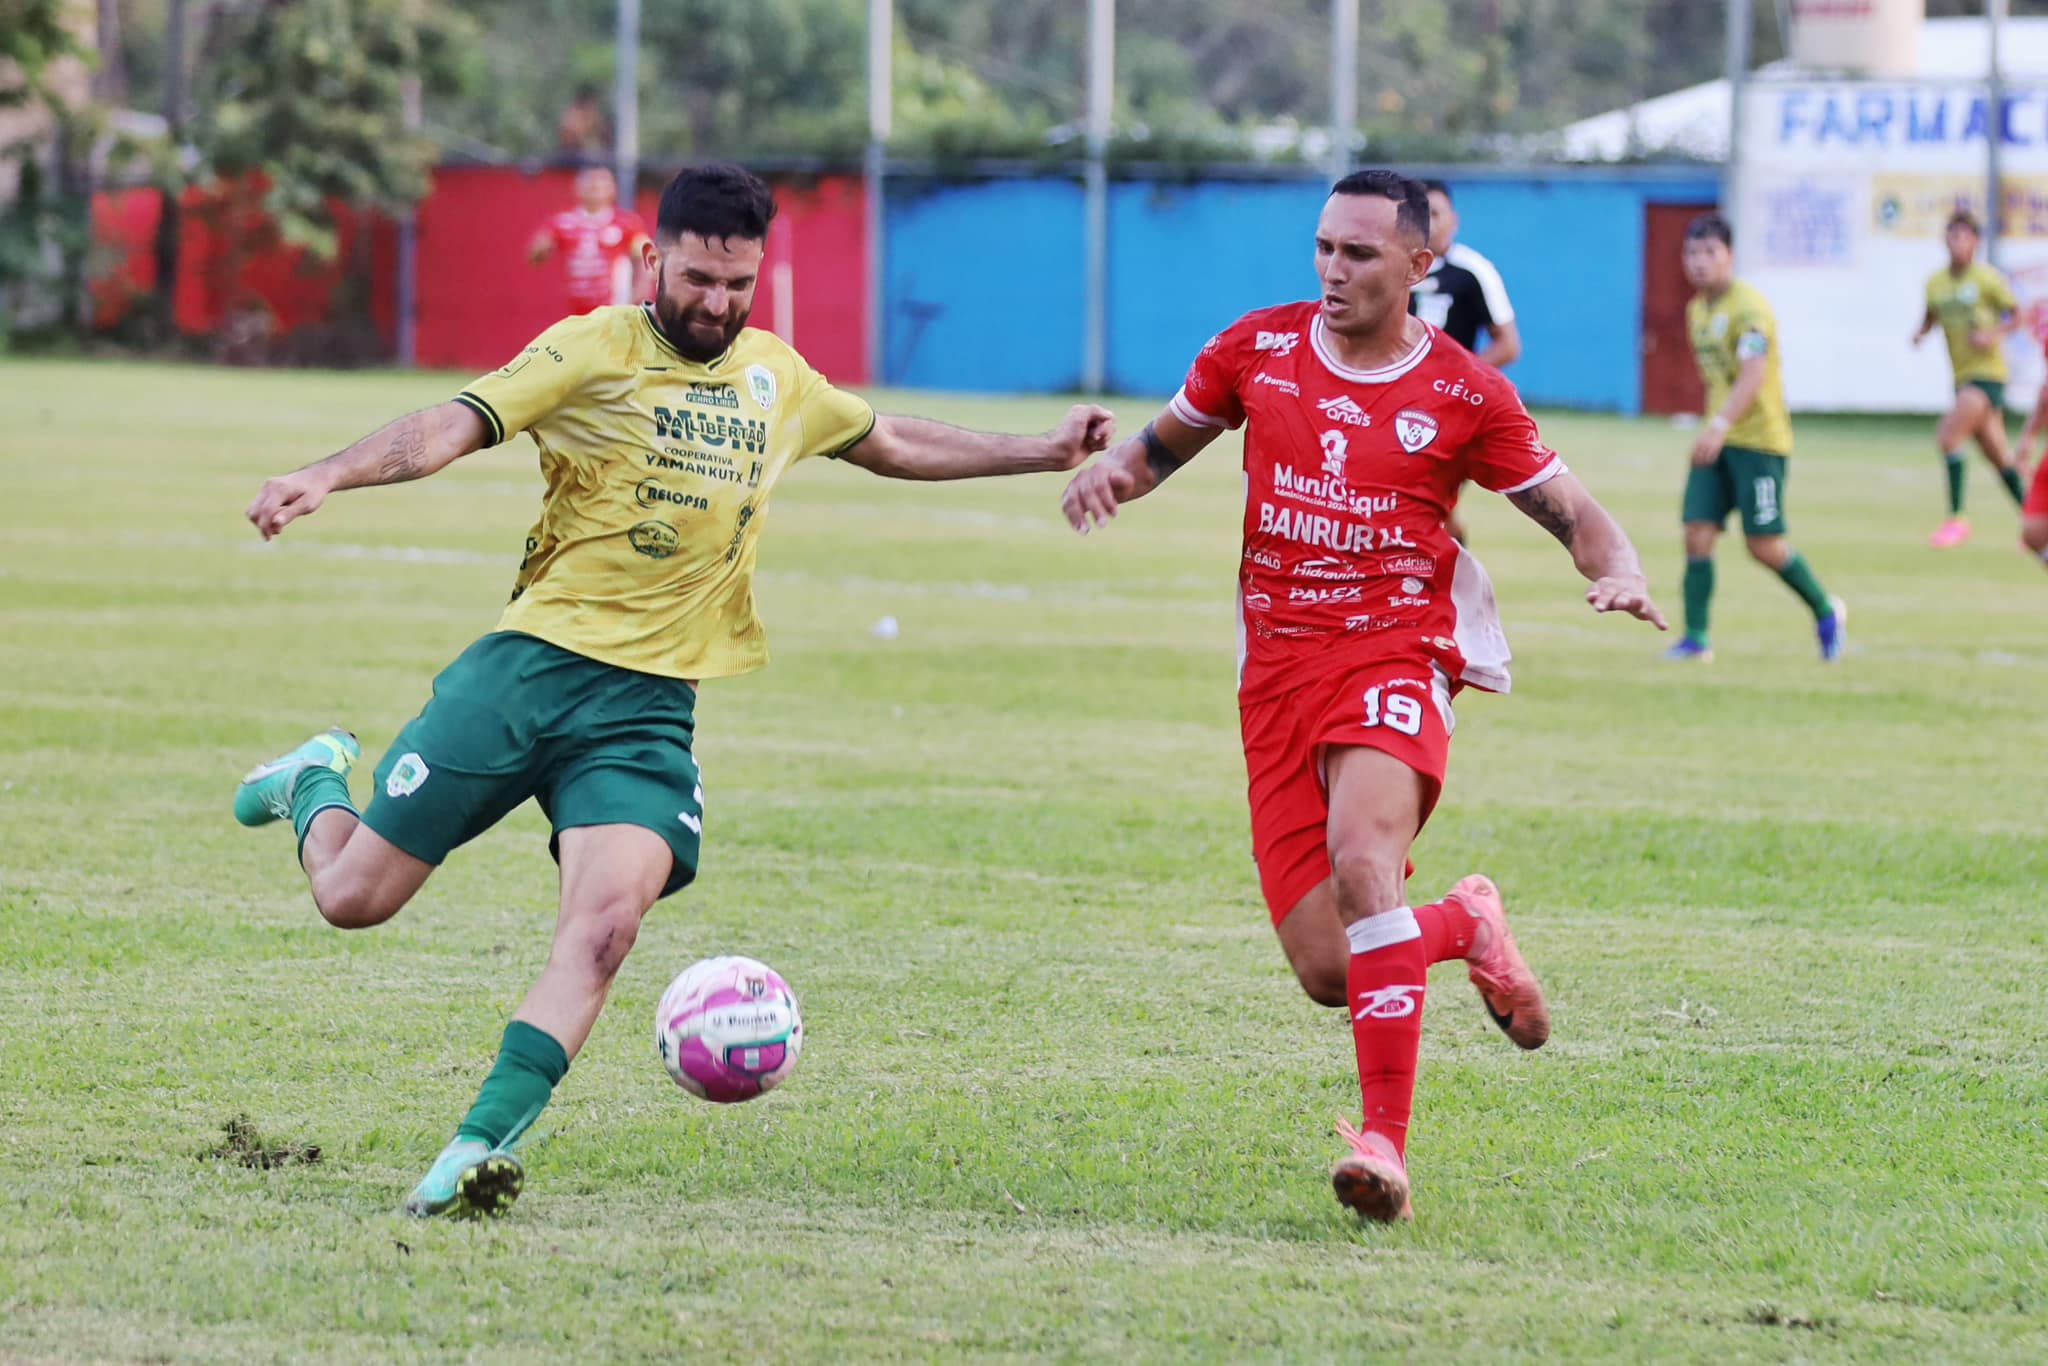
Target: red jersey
591,246
1349,475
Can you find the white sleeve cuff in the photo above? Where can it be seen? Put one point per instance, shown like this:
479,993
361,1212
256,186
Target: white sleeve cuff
1542,476
1184,409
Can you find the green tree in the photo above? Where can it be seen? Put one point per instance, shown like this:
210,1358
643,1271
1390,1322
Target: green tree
311,96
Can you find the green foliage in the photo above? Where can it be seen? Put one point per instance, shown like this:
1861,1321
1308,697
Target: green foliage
33,33
309,96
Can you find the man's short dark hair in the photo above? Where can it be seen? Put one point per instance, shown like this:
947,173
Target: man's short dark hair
1431,185
1710,225
1963,218
719,200
1412,215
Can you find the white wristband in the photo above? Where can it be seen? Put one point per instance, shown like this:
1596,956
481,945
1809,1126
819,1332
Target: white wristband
1718,423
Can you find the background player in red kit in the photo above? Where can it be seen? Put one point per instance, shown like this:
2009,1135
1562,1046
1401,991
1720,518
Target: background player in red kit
598,240
1360,618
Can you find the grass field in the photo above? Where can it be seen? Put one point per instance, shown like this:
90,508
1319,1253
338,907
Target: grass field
1061,1098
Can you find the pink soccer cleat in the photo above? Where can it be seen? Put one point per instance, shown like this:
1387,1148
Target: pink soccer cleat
1950,534
1511,993
1371,1179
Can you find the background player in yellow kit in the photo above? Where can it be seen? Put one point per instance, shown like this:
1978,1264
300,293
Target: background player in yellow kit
1739,459
1975,309
663,430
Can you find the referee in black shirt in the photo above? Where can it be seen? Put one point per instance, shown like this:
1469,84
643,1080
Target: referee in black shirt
1463,293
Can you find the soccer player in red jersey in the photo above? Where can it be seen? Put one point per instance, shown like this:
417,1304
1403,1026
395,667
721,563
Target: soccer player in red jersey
2034,511
598,240
1359,620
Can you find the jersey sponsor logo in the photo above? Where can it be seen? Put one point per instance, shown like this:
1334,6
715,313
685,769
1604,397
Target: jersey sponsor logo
655,540
761,384
739,533
1343,409
1264,559
711,395
1354,593
1424,565
1377,621
1279,343
712,429
1329,533
406,776
1321,568
1411,585
1285,386
1389,1003
1258,602
650,494
1414,429
1331,493
703,464
1406,600
1458,389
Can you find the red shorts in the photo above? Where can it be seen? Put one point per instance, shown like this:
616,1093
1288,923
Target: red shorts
1401,707
2037,496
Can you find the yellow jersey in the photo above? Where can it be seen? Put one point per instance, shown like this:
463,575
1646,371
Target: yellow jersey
1725,332
1962,304
658,472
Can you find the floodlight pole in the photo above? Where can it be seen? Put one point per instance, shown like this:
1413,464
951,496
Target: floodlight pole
626,102
874,169
1101,99
1740,18
1994,141
1343,87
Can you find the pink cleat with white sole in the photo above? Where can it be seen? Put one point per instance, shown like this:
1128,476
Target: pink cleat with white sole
1372,1179
1950,534
1512,995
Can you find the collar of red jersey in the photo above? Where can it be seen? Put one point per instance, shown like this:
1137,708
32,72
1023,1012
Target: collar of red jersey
1382,375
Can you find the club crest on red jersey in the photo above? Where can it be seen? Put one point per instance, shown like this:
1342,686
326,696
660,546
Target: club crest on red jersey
1414,429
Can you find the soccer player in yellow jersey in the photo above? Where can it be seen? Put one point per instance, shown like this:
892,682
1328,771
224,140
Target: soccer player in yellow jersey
1739,459
1975,309
663,430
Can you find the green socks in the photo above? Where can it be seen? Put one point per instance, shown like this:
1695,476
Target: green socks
2011,478
1699,591
1798,576
316,790
1954,460
529,1064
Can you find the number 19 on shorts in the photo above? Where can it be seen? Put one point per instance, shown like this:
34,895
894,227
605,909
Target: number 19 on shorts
1394,710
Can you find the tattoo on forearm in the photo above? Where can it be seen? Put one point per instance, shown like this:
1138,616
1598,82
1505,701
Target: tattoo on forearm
406,457
1158,458
1547,510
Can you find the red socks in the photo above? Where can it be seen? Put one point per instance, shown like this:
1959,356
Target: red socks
1390,958
1389,968
1447,930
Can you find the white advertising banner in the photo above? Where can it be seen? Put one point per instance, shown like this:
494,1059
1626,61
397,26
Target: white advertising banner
1860,37
1846,187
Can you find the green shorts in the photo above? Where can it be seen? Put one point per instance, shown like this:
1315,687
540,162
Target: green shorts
1753,481
515,717
1994,389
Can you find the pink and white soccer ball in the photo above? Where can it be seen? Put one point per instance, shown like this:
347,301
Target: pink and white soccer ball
728,1029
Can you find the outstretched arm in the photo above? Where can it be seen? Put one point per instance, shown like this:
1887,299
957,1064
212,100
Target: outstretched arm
1600,548
1132,470
919,448
411,447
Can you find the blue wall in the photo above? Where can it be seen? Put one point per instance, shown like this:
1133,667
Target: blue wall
985,279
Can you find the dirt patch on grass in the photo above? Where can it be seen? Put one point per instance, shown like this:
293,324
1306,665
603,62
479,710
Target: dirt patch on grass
244,1144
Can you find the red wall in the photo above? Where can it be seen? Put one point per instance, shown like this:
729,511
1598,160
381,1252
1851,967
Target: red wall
478,299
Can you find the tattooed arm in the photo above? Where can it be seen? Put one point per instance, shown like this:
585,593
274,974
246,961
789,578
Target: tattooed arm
1132,470
411,447
1600,548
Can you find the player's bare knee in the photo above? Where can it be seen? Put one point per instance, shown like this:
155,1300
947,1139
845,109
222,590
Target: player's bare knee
350,903
2034,536
1367,875
1769,551
604,936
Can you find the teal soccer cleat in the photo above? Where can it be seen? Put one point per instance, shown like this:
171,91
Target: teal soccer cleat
266,793
469,1180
